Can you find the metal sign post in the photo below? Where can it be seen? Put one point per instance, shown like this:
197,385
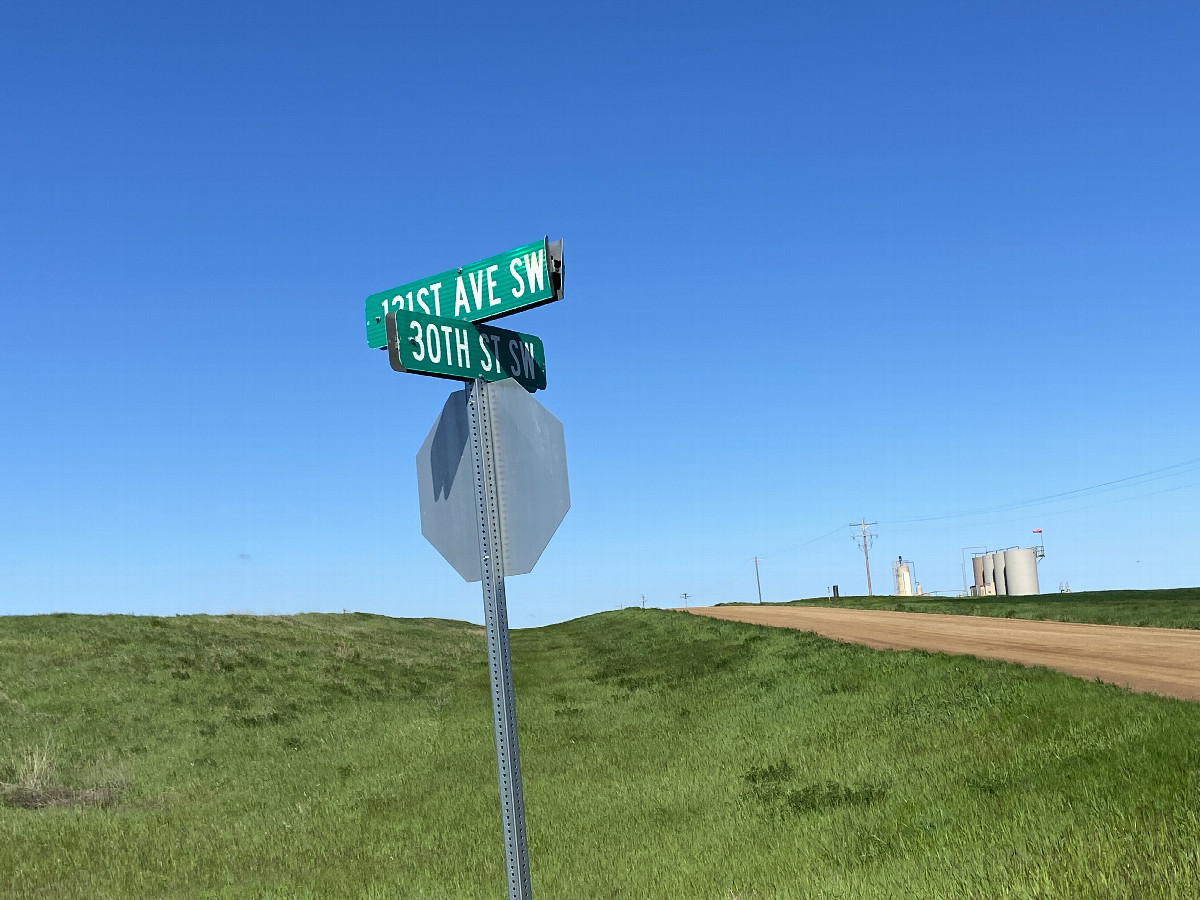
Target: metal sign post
515,442
504,709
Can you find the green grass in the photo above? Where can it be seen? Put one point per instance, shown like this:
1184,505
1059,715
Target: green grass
665,756
1175,608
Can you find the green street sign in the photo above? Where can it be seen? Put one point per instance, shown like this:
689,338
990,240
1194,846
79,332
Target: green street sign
493,287
454,348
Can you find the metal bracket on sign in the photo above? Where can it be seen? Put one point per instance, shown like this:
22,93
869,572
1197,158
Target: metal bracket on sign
554,265
393,342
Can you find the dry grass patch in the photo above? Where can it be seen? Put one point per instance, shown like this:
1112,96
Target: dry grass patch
22,797
37,786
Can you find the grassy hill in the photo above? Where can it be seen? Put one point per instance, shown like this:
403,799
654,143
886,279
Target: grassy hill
1172,608
665,756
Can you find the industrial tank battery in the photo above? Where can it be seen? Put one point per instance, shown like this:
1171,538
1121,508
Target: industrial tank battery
1020,571
977,569
989,562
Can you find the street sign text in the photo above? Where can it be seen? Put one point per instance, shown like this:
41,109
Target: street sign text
453,348
497,286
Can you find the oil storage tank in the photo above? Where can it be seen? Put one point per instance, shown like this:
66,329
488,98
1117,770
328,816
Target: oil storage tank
1020,571
989,583
977,571
998,573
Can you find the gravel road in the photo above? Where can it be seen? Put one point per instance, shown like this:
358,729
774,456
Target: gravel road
1156,660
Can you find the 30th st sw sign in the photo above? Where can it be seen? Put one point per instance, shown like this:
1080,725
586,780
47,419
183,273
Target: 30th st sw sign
497,286
452,348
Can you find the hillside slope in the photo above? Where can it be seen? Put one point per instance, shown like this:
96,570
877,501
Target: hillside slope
665,756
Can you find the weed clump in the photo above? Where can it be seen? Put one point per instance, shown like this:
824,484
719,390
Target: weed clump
36,786
775,788
825,795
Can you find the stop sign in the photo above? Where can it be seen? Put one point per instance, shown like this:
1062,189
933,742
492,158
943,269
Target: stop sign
531,475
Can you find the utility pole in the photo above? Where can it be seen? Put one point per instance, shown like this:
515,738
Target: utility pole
757,580
643,601
864,540
685,598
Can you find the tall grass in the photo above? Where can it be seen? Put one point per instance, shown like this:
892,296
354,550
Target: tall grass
665,756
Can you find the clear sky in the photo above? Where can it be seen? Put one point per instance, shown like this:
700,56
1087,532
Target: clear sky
923,263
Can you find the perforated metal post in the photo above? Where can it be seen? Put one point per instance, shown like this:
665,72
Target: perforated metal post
504,709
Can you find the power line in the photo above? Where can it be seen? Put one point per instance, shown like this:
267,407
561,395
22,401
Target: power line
1076,509
721,580
1171,471
864,540
807,543
1175,470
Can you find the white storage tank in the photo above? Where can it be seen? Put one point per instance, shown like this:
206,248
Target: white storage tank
977,569
989,562
998,573
902,575
1020,572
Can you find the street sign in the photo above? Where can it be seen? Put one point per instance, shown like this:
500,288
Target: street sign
530,459
453,348
497,286
492,473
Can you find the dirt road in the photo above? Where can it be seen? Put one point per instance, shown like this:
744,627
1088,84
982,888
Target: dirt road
1156,660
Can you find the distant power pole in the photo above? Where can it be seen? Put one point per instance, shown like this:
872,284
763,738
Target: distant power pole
757,580
864,540
643,601
685,598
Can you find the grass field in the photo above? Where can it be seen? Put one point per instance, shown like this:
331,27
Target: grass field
665,756
1175,608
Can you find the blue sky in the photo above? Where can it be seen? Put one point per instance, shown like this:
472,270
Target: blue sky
926,264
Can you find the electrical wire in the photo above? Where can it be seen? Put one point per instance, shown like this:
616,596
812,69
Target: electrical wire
1142,478
1182,468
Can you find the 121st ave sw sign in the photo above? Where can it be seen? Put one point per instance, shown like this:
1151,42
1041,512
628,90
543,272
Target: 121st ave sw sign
497,286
